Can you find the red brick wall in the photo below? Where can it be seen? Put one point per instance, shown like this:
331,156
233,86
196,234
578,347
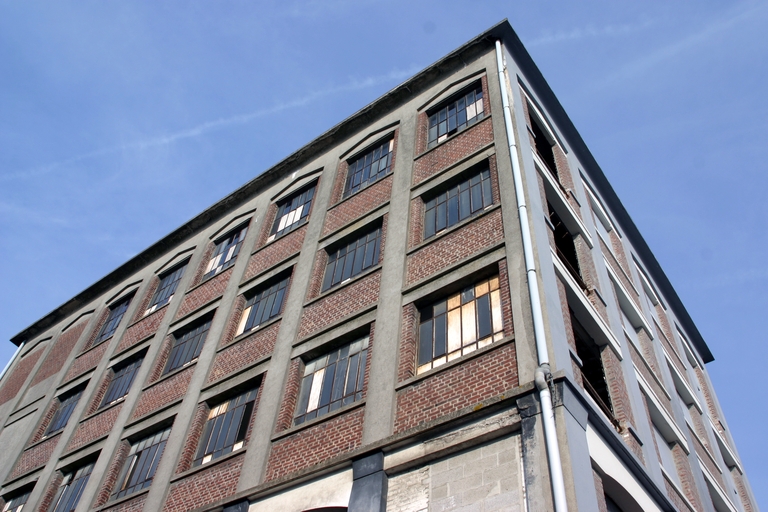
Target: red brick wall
462,386
316,444
336,306
205,293
406,367
619,271
686,476
738,479
358,205
94,427
455,246
601,505
193,438
113,472
50,493
12,384
617,389
452,150
34,457
163,392
640,365
150,291
704,456
144,327
96,329
675,498
276,252
134,505
59,353
205,486
288,405
86,361
43,426
246,351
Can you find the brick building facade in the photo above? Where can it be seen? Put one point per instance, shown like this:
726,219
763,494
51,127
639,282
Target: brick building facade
354,330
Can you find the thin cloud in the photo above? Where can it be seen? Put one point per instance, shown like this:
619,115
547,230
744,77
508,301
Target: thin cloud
212,126
577,34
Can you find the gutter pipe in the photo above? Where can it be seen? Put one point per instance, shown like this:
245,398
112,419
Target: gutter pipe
542,373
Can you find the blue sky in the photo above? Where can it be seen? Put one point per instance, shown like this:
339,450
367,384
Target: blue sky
119,121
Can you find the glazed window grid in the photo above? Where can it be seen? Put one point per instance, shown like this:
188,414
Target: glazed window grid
120,383
166,288
455,115
225,253
263,306
141,464
292,213
369,167
187,347
226,428
352,259
457,203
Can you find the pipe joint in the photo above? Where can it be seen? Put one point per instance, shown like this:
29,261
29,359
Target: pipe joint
542,376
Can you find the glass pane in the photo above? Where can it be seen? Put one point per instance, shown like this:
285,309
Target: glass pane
468,327
425,342
454,329
440,335
484,326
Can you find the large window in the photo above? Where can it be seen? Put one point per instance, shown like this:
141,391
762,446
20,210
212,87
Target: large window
592,371
16,504
542,145
292,212
120,383
225,253
352,258
264,305
457,203
369,167
332,380
187,346
66,405
459,112
226,428
167,287
141,464
565,246
116,313
71,488
460,324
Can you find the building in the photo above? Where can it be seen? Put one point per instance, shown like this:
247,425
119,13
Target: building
439,303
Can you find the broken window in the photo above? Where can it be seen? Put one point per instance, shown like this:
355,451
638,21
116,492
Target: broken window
542,146
455,114
565,246
592,371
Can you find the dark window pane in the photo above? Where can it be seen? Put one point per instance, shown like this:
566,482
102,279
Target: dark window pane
425,342
440,335
116,313
186,347
369,167
66,405
483,309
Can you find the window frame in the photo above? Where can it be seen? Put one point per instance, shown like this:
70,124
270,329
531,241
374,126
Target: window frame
313,390
116,378
182,356
153,446
464,189
156,303
65,405
354,164
305,208
356,266
19,497
70,489
454,101
229,244
110,325
436,342
231,416
248,317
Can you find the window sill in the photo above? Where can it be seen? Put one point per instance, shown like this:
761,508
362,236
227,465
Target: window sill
209,464
112,503
170,374
451,229
348,282
147,315
45,438
214,276
452,137
456,362
316,421
240,337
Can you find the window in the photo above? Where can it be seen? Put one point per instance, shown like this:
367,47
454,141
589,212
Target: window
120,383
66,406
352,258
541,144
116,313
460,324
167,287
186,347
332,380
226,252
16,504
592,372
458,203
226,428
374,164
292,213
458,113
140,466
565,247
266,304
71,488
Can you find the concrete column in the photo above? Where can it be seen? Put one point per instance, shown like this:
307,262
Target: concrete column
369,484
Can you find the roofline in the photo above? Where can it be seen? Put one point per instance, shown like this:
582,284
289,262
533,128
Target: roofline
390,100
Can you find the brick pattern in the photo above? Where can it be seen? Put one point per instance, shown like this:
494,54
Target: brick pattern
148,294
454,247
163,393
96,329
276,252
50,492
622,408
193,438
589,275
741,489
43,426
600,492
698,425
86,361
675,357
619,271
204,487
685,474
649,378
205,293
676,498
93,428
447,153
341,304
704,455
59,353
461,386
649,354
406,367
358,205
708,398
134,505
142,329
326,440
34,457
235,314
245,352
113,473
12,384
198,277
288,405
266,225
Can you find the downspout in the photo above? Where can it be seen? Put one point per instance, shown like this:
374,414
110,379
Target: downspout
542,373
13,358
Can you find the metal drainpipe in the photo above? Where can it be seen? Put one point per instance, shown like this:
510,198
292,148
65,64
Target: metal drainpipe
542,373
15,355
